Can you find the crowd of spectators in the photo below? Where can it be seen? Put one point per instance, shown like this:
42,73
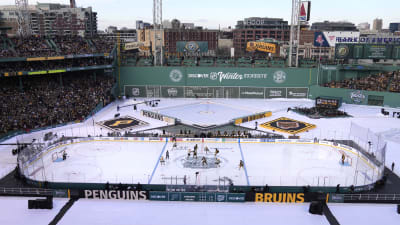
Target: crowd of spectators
379,82
32,47
12,67
36,46
45,100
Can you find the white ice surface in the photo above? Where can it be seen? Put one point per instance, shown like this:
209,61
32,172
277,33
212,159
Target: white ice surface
366,116
266,163
14,211
365,214
102,212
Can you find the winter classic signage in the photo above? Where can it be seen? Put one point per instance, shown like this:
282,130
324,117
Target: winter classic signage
219,76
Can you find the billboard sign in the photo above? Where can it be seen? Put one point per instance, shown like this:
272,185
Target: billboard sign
330,39
367,51
261,46
192,46
305,9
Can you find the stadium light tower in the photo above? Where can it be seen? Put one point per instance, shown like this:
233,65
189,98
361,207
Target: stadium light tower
72,3
23,18
158,33
294,37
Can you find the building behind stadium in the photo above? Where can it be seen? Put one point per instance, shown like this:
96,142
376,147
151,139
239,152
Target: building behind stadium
53,19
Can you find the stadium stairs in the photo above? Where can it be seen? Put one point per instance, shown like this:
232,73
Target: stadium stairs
63,211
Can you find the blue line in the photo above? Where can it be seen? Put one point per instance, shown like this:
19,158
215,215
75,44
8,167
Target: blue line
244,163
158,160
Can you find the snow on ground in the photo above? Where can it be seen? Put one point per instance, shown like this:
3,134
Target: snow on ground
14,210
365,214
144,212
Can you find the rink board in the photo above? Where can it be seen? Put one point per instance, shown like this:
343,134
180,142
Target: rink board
279,162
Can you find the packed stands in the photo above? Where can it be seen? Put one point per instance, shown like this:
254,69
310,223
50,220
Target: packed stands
46,100
34,46
379,82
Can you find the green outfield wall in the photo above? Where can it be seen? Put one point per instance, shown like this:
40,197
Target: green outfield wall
231,82
218,76
360,97
261,83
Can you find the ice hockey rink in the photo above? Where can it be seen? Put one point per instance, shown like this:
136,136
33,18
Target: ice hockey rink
139,161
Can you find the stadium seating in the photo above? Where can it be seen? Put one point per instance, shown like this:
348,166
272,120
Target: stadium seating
389,81
50,100
34,46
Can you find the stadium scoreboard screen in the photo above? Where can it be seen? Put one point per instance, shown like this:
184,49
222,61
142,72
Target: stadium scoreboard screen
327,103
367,51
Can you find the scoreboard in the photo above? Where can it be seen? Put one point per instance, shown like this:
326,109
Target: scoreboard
327,102
367,51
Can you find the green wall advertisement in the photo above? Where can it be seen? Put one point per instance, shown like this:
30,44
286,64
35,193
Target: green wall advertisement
218,76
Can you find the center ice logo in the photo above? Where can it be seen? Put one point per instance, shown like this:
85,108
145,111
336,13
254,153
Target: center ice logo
176,75
279,77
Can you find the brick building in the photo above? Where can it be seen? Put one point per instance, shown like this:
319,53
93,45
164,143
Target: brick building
256,28
172,36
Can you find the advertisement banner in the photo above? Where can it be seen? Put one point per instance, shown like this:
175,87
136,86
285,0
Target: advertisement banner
132,45
305,11
261,46
56,71
251,92
172,92
331,38
297,92
158,116
135,91
275,92
37,73
377,51
367,51
192,46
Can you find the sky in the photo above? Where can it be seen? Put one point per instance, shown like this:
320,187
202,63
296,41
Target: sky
213,14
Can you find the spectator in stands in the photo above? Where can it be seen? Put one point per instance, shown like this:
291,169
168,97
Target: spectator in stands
36,46
379,82
44,101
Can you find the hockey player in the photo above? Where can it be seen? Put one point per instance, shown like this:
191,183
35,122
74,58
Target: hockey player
241,164
216,152
343,158
217,162
195,153
167,155
174,145
204,161
64,156
195,147
206,150
162,161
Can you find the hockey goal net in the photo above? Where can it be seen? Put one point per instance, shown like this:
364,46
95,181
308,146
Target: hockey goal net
55,156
